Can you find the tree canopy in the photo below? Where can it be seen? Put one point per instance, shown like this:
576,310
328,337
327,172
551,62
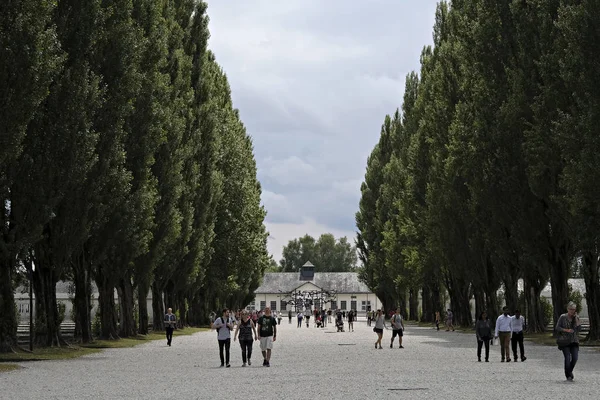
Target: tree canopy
485,175
327,254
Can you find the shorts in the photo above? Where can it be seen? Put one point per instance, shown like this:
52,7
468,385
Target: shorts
398,332
266,343
377,330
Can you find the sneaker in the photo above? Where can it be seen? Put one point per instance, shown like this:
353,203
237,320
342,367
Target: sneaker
486,360
391,346
268,364
570,379
222,365
502,360
249,362
244,364
264,363
523,359
479,359
228,365
375,345
508,360
401,347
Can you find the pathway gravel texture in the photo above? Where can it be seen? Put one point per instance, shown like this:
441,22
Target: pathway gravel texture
309,363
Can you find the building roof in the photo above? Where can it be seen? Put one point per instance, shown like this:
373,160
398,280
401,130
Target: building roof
286,282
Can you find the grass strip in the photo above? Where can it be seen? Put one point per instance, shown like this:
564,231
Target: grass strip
75,351
8,367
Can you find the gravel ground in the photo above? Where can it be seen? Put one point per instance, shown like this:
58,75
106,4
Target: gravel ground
307,363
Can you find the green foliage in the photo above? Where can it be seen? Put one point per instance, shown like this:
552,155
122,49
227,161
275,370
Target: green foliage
326,253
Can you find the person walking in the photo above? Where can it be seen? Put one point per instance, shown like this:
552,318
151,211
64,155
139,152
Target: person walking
299,316
437,320
224,325
267,334
351,321
245,329
449,318
290,317
568,327
517,326
483,331
397,328
170,321
379,327
307,318
504,331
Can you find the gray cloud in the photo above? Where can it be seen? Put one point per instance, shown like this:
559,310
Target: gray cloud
313,81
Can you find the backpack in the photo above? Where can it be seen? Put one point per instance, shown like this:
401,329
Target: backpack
223,321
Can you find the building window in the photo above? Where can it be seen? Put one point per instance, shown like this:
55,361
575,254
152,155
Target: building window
333,304
366,305
273,305
263,305
252,306
344,305
353,305
283,305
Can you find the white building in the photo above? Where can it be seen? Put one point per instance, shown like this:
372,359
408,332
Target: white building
295,291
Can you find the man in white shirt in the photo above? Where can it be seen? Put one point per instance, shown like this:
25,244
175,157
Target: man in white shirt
504,331
517,325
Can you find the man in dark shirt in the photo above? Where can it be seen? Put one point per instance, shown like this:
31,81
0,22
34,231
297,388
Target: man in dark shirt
170,321
267,334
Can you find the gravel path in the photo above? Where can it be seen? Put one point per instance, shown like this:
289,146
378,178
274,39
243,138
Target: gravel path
309,363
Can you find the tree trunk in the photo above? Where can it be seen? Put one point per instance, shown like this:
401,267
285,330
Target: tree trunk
427,309
458,290
592,293
480,304
534,312
127,319
47,324
158,310
511,292
413,304
8,315
143,289
106,300
559,275
82,303
491,304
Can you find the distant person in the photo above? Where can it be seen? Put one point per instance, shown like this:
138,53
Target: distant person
278,317
437,320
397,328
267,334
449,320
224,325
170,321
290,317
504,331
568,327
299,316
379,327
246,328
307,318
329,313
351,321
517,326
483,332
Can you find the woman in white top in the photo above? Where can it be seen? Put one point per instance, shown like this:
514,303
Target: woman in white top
379,326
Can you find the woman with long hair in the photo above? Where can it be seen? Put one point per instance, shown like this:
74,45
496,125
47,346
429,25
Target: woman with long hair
245,328
567,327
483,331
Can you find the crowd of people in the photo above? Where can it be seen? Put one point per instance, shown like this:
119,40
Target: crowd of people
261,326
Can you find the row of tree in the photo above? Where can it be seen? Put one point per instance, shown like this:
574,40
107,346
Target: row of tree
327,253
122,163
487,174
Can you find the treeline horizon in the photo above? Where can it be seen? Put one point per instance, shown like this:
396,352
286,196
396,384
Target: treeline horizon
489,171
124,163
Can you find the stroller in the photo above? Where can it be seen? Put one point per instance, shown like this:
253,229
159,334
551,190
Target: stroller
339,322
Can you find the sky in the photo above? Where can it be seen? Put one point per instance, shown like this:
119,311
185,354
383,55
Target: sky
313,81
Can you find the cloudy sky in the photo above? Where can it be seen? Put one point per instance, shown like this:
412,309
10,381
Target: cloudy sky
313,80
